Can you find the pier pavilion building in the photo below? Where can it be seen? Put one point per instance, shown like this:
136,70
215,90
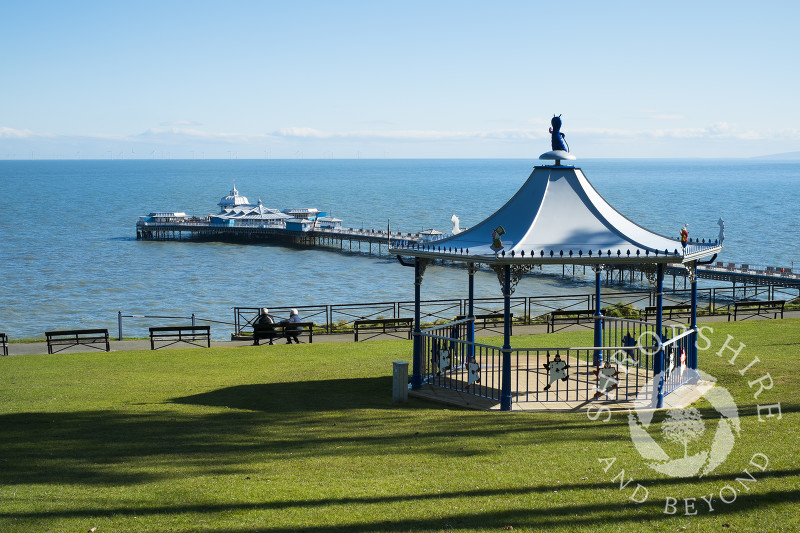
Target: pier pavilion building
557,217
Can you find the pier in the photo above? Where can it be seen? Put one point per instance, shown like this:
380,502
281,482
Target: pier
756,280
370,241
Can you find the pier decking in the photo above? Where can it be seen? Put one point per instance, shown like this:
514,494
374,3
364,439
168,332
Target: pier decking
352,239
377,241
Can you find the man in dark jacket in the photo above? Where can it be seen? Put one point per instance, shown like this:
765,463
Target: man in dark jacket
263,327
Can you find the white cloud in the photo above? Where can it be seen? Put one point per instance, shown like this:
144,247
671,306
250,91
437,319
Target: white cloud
410,135
11,133
192,134
179,123
509,142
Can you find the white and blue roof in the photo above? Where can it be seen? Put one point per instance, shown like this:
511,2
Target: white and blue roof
558,217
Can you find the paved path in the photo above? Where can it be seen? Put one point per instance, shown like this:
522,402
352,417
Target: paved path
30,348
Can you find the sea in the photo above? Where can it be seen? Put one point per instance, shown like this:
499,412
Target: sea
69,257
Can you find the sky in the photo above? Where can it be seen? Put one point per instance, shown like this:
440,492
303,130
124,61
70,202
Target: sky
392,79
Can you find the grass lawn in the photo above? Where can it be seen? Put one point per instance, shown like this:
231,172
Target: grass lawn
306,438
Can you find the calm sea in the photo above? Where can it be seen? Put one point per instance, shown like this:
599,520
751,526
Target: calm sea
69,257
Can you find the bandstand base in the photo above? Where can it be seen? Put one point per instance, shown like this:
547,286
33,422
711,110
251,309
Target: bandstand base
683,397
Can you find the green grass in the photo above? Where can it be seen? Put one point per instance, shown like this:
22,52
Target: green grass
306,438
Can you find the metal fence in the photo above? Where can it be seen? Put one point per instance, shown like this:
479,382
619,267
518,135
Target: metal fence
527,310
194,319
620,370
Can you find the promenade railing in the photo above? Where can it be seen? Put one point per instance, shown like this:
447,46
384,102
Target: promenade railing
193,318
527,310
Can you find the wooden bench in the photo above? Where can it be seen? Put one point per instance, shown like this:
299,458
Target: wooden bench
758,308
384,326
569,316
668,311
175,334
489,320
77,337
3,344
282,330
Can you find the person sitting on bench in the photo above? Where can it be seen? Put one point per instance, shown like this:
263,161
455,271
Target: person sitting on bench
263,327
293,331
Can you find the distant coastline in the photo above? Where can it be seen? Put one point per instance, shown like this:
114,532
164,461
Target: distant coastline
786,156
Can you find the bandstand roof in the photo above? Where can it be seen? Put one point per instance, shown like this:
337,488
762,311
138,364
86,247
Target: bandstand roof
558,217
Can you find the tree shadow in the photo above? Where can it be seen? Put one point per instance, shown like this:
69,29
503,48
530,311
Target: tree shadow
300,396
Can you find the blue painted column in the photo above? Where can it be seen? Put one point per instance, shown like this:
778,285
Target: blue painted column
692,355
416,375
658,357
505,390
471,311
598,318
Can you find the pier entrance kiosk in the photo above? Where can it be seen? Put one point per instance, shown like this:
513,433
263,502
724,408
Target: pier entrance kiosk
557,217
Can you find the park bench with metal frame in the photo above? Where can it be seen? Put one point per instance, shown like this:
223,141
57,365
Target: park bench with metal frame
753,308
669,312
77,337
281,330
384,326
174,334
490,321
569,316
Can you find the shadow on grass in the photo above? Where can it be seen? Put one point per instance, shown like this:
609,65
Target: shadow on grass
300,396
543,515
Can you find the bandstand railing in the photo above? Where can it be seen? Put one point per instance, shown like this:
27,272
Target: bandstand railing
621,370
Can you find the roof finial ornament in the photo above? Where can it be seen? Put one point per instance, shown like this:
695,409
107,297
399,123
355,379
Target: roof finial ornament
557,139
558,143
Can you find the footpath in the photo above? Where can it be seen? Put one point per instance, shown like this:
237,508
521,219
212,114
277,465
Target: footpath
33,348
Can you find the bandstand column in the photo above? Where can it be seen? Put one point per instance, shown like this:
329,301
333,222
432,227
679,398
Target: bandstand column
471,311
416,375
598,317
658,356
505,390
693,340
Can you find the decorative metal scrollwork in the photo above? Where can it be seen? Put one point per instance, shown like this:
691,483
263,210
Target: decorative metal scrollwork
691,270
517,271
423,264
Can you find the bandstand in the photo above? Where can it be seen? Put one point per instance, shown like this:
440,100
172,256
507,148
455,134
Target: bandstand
557,217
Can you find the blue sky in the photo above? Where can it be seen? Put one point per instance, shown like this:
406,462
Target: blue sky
373,79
